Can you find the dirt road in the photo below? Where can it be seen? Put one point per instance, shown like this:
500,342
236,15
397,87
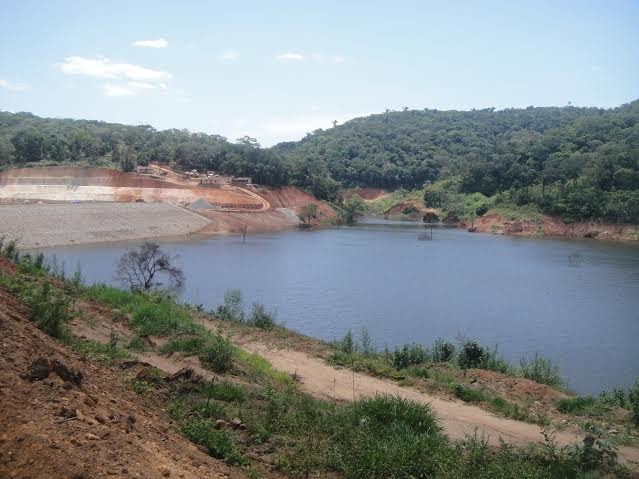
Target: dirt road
458,419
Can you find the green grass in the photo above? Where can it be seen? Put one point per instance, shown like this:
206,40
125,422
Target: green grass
259,368
188,345
576,405
97,351
221,444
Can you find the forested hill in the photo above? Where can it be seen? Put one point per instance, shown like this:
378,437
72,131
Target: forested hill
576,162
26,139
579,163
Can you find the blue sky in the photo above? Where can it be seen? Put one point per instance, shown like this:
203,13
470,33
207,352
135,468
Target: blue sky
277,70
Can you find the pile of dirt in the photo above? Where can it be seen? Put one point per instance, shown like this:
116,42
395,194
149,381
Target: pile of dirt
294,198
413,209
63,416
367,194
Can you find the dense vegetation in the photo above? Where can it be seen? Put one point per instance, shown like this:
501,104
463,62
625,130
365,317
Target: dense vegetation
26,139
579,163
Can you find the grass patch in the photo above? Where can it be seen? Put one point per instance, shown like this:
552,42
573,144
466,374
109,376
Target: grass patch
97,351
221,444
259,368
576,405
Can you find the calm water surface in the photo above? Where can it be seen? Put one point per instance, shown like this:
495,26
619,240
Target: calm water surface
576,302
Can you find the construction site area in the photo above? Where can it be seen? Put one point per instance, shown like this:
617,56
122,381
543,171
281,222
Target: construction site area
54,206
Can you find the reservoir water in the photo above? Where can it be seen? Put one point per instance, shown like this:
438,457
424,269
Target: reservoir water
576,302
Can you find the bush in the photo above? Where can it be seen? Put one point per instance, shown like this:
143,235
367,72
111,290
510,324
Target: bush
443,351
233,307
541,370
220,444
217,354
467,394
50,308
471,355
347,344
188,345
575,404
225,391
162,318
261,318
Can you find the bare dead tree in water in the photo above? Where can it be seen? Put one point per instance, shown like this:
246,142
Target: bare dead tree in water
141,267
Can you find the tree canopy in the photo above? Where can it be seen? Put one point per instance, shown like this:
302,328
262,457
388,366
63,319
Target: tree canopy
579,163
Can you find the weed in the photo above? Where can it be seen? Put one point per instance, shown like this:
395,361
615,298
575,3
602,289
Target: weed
541,370
220,443
217,354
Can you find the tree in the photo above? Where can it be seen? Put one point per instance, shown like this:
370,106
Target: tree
354,207
307,213
140,267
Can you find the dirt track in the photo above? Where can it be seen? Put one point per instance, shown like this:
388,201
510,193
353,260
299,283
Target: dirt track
458,419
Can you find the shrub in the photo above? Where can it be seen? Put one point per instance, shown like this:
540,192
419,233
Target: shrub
220,443
225,391
347,344
217,354
408,355
50,308
471,355
103,352
467,394
541,370
189,345
162,318
261,318
575,404
443,351
233,307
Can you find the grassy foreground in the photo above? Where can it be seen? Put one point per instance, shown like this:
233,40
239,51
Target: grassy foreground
256,418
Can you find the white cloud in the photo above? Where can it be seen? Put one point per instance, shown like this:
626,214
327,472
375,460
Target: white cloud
338,59
159,43
145,86
102,67
230,55
110,89
13,86
290,57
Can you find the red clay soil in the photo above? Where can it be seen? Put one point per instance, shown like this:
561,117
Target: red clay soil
65,417
551,226
294,198
367,194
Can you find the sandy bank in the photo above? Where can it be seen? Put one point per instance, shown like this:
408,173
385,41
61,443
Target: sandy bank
46,225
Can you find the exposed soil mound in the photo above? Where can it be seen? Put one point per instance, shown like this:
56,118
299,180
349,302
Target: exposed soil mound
64,417
551,226
294,198
412,209
367,194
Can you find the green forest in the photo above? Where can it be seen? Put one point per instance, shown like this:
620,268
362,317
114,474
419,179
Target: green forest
577,163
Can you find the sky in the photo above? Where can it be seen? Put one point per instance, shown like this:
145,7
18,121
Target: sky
278,70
